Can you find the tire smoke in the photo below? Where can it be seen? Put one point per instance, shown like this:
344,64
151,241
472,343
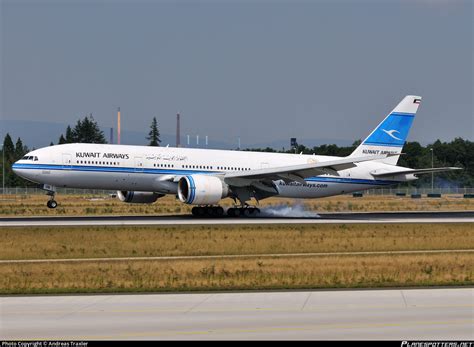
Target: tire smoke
291,211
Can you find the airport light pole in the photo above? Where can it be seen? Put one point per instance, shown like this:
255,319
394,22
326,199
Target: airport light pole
432,174
3,169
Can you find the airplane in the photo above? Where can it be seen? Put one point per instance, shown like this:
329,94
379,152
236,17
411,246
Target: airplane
203,177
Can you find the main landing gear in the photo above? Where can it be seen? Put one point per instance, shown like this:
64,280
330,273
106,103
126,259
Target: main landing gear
247,211
207,211
218,211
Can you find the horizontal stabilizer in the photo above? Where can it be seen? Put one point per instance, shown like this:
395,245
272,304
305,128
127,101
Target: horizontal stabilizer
414,171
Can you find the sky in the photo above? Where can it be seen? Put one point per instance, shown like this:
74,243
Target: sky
258,70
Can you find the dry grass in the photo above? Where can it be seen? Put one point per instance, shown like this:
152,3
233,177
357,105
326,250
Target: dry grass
35,205
233,274
272,273
130,241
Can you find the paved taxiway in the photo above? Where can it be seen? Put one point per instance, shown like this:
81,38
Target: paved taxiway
413,314
323,218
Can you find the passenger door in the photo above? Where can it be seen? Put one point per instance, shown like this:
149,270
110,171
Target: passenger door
67,161
138,164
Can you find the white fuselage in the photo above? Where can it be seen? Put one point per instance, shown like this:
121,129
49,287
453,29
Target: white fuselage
143,168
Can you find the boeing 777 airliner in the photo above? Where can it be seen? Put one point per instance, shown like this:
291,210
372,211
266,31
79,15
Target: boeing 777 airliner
203,177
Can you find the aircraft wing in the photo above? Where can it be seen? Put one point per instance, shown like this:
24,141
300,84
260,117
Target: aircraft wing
296,172
414,171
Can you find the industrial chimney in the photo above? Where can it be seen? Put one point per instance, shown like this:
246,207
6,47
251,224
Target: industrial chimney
178,134
118,126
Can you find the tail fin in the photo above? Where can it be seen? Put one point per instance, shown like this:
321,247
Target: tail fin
390,135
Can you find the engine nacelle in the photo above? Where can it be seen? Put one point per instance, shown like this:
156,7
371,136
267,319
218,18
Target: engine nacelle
201,190
138,197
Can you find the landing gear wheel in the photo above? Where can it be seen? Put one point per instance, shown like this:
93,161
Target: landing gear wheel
243,211
207,211
52,204
198,211
219,211
248,212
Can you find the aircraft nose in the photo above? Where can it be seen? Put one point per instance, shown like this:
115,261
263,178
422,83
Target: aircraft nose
15,167
20,171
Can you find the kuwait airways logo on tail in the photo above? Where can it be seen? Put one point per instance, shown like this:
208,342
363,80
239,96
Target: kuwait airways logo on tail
391,132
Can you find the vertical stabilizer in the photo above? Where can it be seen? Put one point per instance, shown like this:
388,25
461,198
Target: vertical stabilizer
390,135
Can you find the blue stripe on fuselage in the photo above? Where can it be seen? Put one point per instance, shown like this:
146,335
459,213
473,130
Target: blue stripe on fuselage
186,173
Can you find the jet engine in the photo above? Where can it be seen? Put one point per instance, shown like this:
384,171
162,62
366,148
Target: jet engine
201,190
138,197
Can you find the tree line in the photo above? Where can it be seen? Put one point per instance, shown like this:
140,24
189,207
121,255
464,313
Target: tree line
88,131
458,152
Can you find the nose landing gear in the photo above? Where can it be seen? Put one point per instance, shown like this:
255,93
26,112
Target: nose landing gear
51,191
52,203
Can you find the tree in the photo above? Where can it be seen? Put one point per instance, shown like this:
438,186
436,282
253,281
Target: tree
20,149
85,131
70,137
8,157
88,131
154,134
9,149
12,154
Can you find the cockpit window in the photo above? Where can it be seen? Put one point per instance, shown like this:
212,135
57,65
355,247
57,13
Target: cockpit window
30,157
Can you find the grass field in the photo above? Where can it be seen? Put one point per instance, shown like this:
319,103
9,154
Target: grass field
194,240
35,205
273,273
252,272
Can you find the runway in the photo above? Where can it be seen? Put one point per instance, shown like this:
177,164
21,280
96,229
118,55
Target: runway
408,314
323,218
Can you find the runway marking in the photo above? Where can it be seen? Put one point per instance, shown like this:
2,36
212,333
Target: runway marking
234,256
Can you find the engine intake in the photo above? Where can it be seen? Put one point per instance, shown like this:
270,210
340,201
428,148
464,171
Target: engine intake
201,190
138,197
